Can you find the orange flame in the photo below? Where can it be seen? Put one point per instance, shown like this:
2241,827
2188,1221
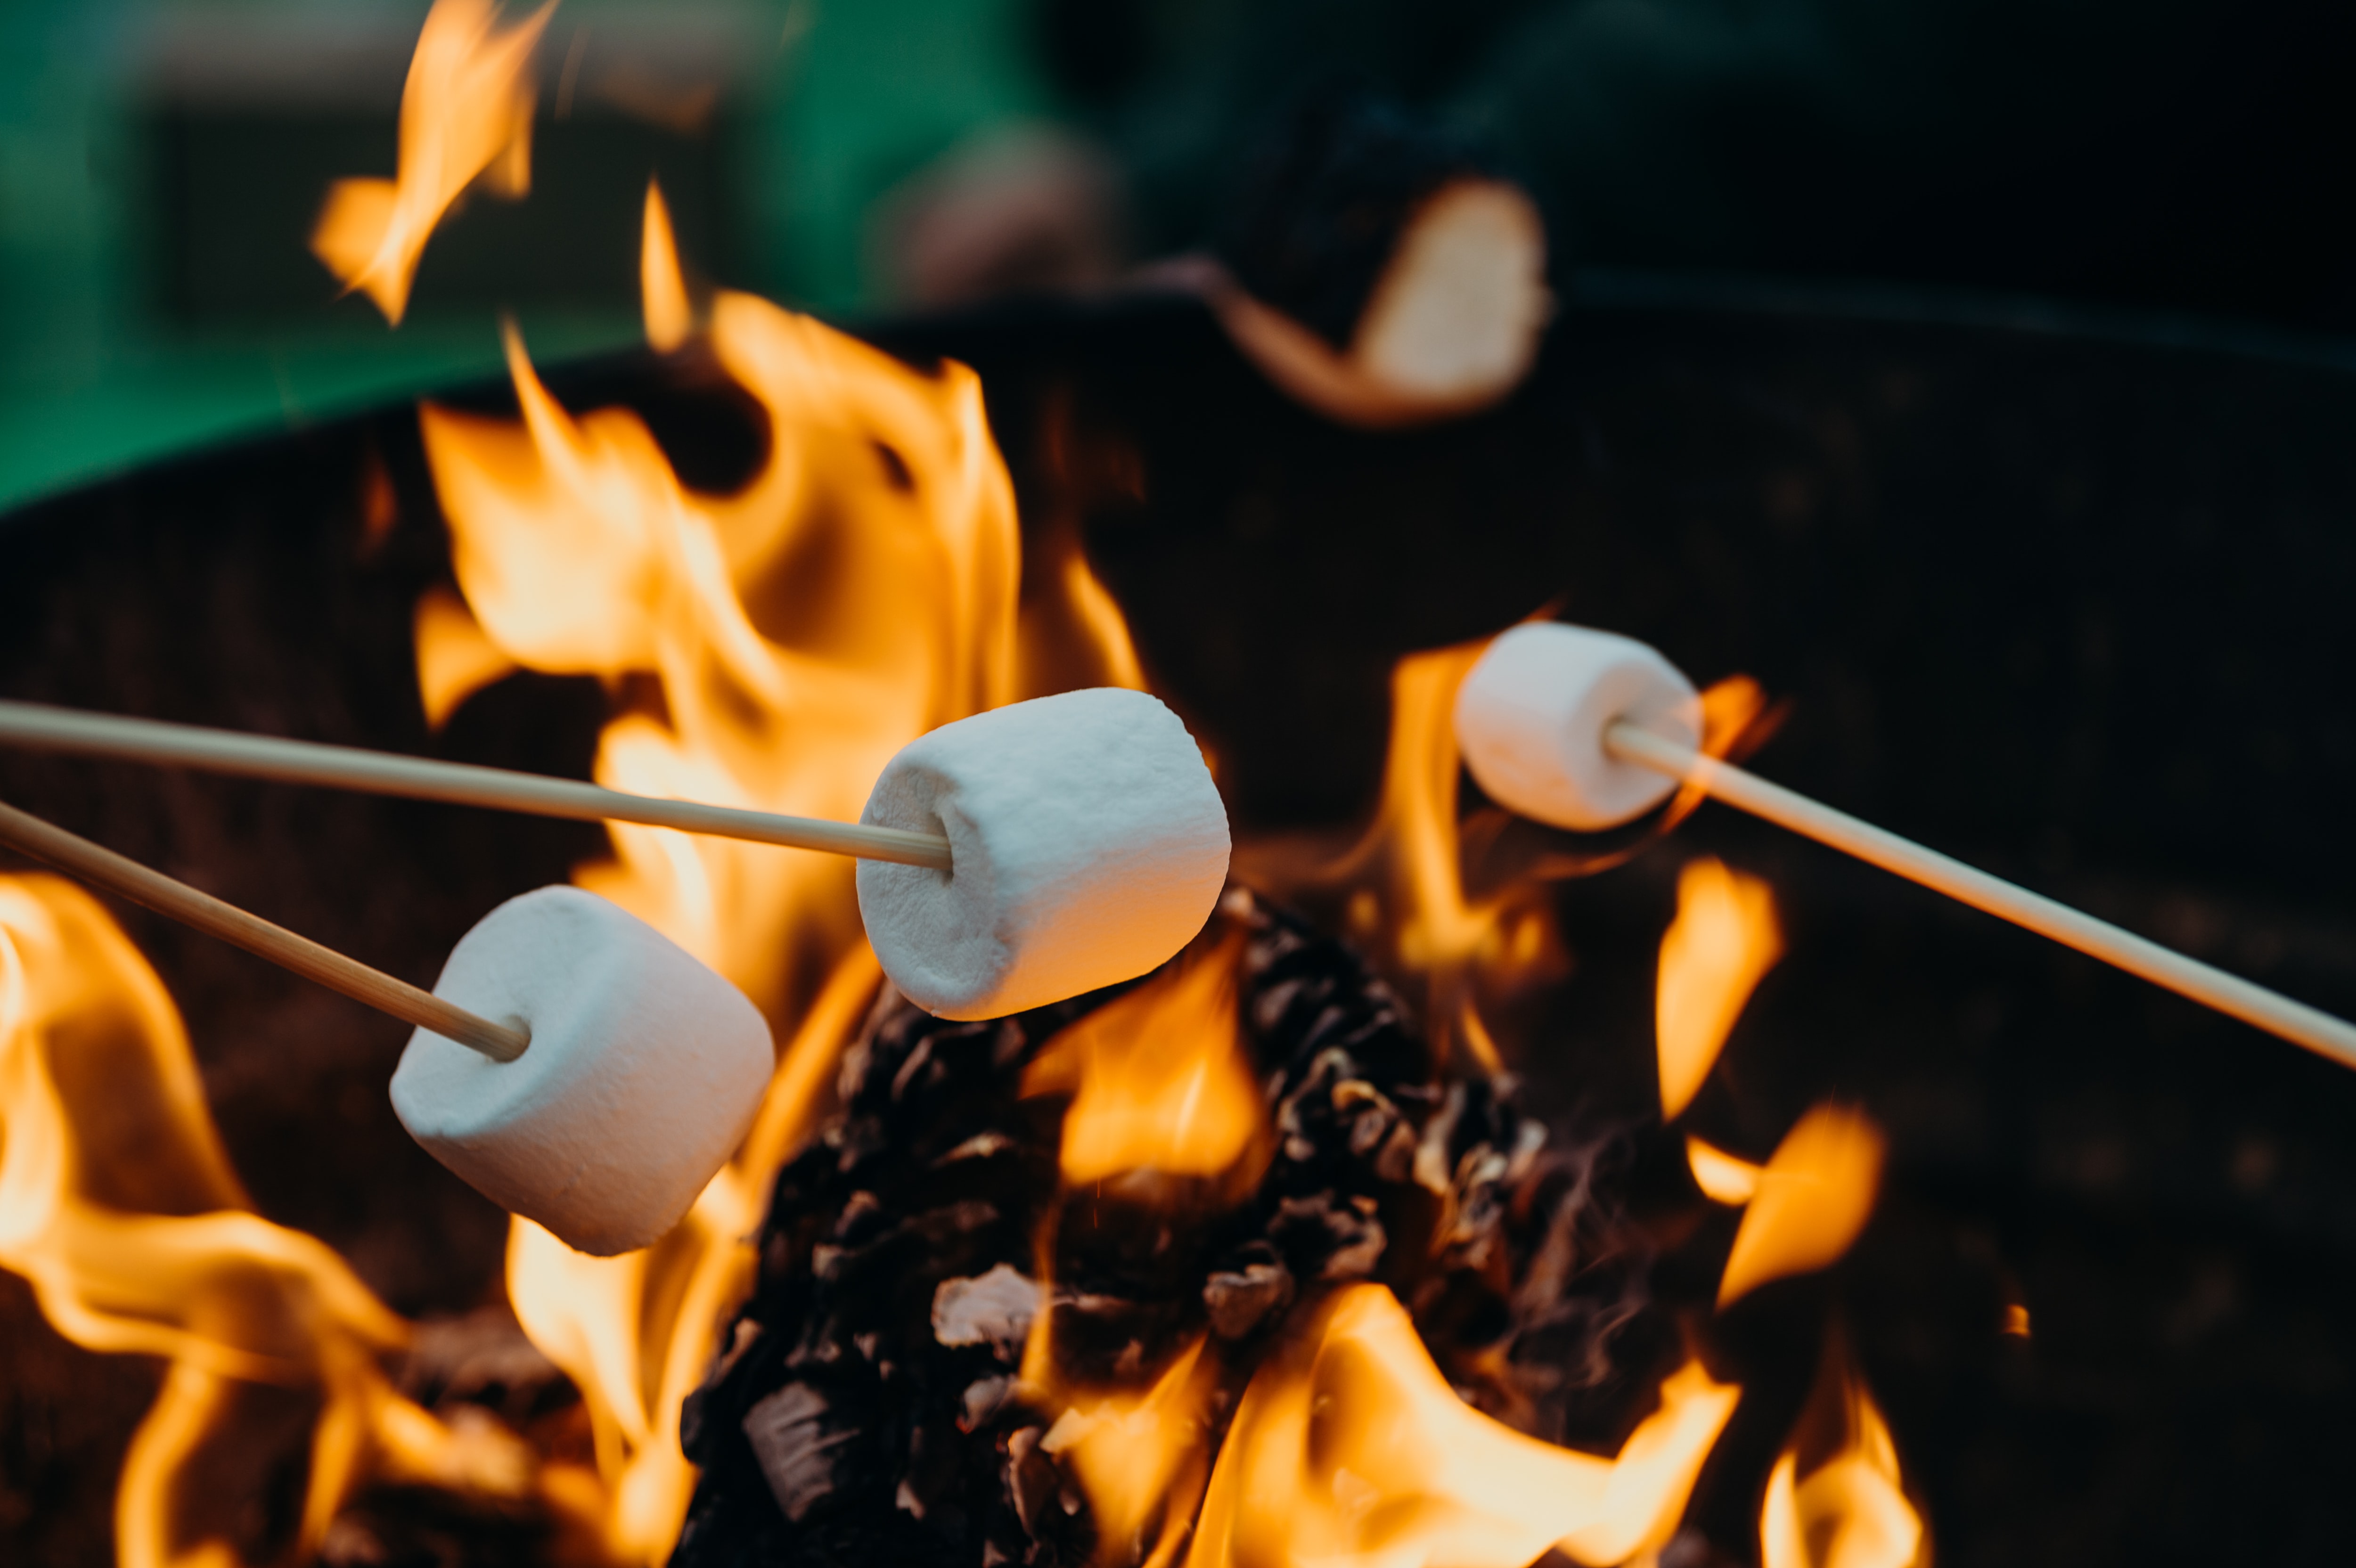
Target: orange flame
1722,1177
1849,1509
1351,1449
1813,1196
118,1204
1161,1082
1141,1459
1402,880
1724,940
1160,1078
455,658
465,116
661,286
784,642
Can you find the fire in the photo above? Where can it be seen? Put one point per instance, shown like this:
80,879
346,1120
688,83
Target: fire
1849,1509
1141,1459
791,637
1161,1085
1349,1449
118,1203
1409,899
661,285
455,658
1724,940
787,640
1160,1078
1722,1177
1403,883
1813,1197
466,118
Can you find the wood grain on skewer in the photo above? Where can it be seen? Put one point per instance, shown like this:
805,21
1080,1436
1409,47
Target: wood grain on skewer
44,727
2230,993
95,863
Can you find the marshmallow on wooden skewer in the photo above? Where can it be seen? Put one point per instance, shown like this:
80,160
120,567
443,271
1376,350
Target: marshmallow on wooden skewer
613,1073
1531,714
1561,723
645,1070
1100,799
1087,845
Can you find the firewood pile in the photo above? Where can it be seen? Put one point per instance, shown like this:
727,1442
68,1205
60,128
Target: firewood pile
870,1403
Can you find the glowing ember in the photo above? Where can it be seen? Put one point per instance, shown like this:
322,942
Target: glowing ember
1350,1449
1849,1508
1159,1080
465,117
1722,942
1813,1196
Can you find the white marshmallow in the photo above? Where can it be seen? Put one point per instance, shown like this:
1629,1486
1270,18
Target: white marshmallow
1531,715
1088,844
644,1072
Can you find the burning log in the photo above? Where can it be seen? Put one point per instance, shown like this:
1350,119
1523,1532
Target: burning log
941,1310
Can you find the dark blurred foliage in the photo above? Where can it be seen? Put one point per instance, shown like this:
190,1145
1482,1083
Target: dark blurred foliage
2178,154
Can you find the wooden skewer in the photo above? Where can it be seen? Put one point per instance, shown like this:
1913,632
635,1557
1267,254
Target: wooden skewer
2296,1021
43,728
91,862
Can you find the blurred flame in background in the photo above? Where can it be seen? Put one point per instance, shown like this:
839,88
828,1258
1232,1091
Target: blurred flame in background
1350,1450
118,1204
1814,1197
1848,1509
1724,940
662,287
1722,1177
466,119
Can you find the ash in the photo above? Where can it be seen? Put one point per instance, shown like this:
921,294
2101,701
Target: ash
866,1407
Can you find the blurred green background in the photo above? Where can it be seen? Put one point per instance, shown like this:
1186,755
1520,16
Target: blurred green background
161,162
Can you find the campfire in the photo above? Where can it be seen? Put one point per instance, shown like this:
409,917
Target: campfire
1333,1239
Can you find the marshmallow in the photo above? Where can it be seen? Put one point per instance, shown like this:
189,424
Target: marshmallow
645,1070
1530,719
1087,845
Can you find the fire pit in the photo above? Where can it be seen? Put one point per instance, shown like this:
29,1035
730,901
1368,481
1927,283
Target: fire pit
2063,602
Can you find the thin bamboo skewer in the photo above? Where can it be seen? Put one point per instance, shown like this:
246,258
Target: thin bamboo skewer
95,863
2254,1004
44,727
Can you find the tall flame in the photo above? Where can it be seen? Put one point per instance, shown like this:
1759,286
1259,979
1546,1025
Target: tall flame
1350,1450
1814,1197
1848,1509
465,116
117,1203
663,288
783,643
1160,1078
1724,940
1410,898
